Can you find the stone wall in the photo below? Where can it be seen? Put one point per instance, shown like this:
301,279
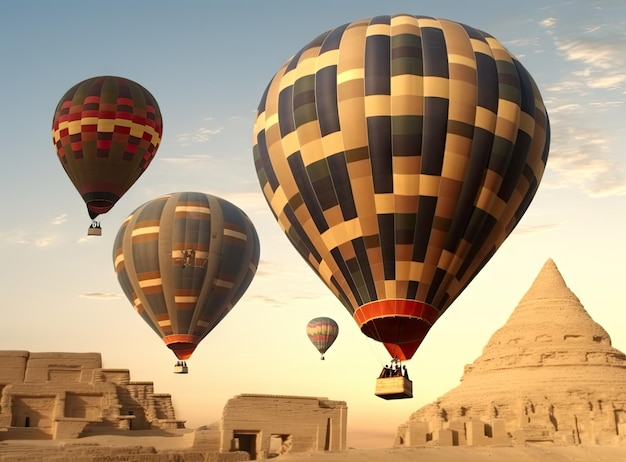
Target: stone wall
13,366
91,453
62,367
270,425
66,395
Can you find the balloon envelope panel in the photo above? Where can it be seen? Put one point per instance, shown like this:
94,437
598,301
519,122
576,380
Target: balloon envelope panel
397,153
184,260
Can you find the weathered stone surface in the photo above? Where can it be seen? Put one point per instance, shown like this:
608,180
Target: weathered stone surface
270,425
58,396
67,395
549,374
97,453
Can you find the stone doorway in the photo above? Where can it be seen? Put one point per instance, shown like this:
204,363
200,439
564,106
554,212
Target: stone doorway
246,441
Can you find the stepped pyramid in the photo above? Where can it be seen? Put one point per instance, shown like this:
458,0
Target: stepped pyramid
549,374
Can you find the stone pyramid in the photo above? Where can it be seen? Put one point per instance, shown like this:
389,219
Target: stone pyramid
549,373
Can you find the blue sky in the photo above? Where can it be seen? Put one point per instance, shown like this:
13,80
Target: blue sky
207,64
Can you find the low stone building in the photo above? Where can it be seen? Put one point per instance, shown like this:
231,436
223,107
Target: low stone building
270,425
67,395
549,374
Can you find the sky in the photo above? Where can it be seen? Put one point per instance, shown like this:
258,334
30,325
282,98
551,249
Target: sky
207,63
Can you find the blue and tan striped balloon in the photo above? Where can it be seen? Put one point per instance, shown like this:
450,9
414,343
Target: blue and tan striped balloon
184,260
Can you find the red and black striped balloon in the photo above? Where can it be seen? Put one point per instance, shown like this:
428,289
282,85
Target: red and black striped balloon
106,131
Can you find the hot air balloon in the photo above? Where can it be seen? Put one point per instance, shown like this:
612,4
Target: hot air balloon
184,260
106,131
397,153
322,333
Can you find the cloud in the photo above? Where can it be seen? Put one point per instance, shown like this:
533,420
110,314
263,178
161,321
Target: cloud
602,53
521,42
269,301
101,295
592,29
275,271
200,135
581,156
188,160
60,219
43,242
603,58
548,23
24,238
525,230
609,81
584,116
564,108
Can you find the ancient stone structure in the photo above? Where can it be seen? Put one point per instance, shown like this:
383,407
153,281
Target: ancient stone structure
549,374
67,395
270,425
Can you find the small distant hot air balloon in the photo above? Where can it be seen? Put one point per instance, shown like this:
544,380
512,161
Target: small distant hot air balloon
322,333
106,131
398,153
184,260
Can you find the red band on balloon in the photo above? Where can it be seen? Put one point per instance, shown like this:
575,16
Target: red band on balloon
99,207
395,307
99,186
400,324
183,345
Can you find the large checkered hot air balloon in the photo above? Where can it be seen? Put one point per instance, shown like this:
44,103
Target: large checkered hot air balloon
106,131
184,260
398,153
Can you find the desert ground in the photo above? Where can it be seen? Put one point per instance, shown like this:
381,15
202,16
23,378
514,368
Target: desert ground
528,453
96,446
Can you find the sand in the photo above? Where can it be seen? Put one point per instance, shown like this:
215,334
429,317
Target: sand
528,453
540,452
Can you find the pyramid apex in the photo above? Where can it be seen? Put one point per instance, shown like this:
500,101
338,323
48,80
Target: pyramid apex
548,318
548,284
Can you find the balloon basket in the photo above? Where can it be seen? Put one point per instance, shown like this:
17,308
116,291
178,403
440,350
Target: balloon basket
181,369
93,231
394,388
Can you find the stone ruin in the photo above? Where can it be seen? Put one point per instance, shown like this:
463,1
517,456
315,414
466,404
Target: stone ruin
67,395
548,374
55,396
267,426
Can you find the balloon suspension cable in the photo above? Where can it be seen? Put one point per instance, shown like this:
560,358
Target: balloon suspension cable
369,341
376,330
395,360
